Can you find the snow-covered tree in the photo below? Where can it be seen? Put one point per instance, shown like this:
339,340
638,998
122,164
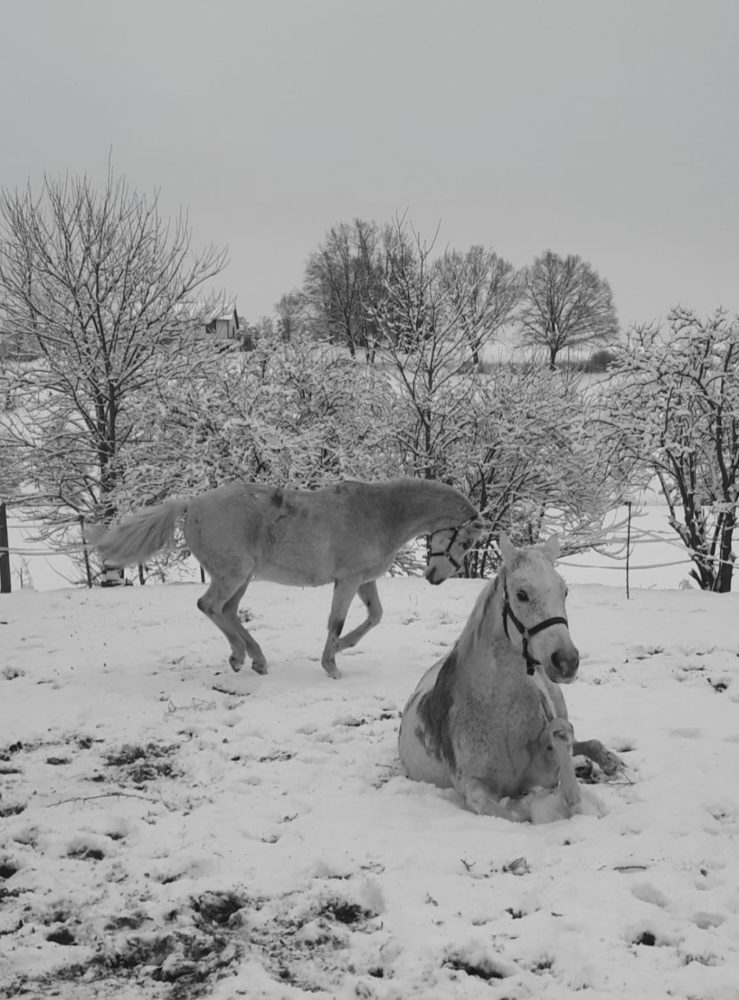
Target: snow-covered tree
10,468
106,300
426,340
535,462
297,414
673,407
520,441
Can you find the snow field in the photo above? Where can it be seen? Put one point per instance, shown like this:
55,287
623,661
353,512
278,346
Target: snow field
161,839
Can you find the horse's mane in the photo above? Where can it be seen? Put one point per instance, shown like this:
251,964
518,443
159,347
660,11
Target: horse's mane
478,616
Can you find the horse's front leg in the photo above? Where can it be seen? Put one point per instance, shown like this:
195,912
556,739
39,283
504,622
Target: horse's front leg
481,800
594,750
560,737
344,591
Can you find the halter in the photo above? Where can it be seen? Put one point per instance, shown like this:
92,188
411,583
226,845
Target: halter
447,553
526,633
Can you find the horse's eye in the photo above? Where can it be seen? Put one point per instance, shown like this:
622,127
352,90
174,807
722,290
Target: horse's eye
522,596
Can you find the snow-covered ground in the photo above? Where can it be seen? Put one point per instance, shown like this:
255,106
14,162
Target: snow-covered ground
161,839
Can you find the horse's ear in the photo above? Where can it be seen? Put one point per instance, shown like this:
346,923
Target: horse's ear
507,548
552,548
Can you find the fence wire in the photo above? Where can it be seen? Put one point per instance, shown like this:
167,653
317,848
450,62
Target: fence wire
638,539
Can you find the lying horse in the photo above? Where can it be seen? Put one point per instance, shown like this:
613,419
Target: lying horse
347,534
489,718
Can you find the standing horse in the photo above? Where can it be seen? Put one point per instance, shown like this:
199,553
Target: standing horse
346,534
489,718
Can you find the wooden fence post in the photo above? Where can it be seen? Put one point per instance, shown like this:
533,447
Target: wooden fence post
85,553
628,549
5,581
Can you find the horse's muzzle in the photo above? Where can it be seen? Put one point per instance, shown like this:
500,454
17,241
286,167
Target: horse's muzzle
563,665
433,577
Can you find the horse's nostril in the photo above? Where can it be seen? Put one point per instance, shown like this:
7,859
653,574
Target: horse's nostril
565,664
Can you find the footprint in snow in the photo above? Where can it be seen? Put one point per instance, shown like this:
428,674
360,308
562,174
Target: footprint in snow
686,732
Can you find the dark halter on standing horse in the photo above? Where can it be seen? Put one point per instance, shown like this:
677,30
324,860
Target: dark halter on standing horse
449,551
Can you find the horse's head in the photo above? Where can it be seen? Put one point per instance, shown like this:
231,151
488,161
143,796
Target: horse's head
534,608
448,546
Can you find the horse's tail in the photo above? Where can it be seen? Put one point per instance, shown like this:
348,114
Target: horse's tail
140,535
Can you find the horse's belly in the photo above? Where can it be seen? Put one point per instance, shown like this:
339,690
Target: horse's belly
296,576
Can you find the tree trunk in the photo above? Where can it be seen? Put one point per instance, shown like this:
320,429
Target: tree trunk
725,569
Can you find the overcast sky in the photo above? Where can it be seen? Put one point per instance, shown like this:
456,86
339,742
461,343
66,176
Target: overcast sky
608,130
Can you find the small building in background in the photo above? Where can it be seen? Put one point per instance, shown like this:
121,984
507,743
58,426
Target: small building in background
224,325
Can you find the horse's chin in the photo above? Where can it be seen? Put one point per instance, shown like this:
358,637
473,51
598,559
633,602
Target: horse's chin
433,579
558,678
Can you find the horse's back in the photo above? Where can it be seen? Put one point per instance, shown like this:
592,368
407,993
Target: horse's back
304,538
224,526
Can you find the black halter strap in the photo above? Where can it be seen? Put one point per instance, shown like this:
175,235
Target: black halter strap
447,552
525,632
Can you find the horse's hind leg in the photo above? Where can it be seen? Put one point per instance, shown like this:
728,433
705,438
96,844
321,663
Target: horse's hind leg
344,592
368,594
220,603
594,750
231,614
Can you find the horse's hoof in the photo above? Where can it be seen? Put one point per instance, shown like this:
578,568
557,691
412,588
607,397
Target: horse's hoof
333,671
611,764
235,664
259,668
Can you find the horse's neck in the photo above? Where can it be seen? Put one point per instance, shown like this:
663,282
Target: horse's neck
427,506
484,649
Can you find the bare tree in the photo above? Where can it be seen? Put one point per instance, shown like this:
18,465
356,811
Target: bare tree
291,315
341,278
565,304
106,298
673,406
484,288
